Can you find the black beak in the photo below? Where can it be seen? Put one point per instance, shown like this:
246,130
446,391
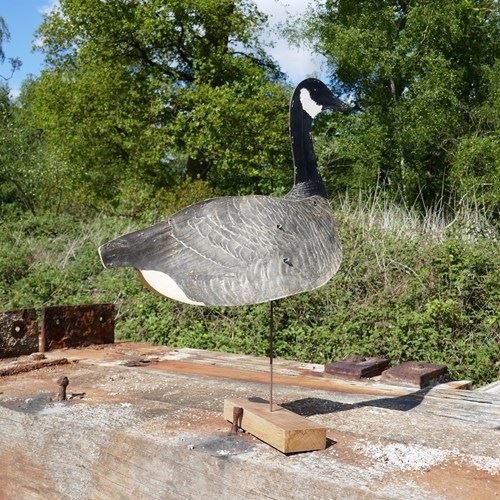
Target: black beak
332,102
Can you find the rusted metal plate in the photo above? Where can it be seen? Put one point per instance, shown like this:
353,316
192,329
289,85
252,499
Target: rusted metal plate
357,367
18,333
76,326
416,374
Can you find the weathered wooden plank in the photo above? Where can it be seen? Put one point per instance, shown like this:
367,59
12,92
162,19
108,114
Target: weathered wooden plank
480,409
280,428
155,433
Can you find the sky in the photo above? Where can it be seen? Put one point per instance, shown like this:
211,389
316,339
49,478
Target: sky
24,16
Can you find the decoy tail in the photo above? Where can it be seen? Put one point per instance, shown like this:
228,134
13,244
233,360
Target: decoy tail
117,253
133,249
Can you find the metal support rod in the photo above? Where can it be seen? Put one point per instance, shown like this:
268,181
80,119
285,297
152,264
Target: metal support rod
271,353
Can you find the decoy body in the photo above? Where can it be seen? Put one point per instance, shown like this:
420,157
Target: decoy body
245,249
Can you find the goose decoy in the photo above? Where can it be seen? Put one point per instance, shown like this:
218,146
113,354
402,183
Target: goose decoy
240,250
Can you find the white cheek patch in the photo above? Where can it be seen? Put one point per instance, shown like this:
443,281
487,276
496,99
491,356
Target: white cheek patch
165,285
309,105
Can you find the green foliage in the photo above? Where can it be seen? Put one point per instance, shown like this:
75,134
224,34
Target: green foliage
14,62
146,107
426,74
20,146
149,92
244,158
404,291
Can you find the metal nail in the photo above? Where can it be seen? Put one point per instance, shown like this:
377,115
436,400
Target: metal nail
237,416
62,382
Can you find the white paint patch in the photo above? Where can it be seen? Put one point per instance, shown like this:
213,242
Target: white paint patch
309,105
165,285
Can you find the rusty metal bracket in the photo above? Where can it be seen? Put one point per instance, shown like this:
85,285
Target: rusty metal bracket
18,333
78,326
357,367
416,374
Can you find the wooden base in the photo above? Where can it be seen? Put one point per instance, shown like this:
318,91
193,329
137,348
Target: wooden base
282,429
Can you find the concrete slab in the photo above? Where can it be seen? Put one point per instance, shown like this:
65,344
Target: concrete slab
156,431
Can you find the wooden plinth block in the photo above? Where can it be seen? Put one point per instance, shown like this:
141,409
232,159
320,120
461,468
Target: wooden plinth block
282,429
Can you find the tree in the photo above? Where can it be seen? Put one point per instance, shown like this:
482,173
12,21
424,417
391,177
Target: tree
424,71
14,62
16,143
31,177
146,92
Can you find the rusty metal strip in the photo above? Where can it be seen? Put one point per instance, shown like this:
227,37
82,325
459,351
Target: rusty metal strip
322,383
78,326
18,333
28,367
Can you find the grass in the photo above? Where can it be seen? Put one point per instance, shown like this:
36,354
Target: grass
466,221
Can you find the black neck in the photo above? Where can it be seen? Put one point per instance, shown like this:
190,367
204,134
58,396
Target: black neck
307,179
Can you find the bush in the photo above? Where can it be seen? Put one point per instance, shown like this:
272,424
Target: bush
409,288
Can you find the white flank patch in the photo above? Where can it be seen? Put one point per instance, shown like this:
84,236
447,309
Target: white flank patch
309,105
165,285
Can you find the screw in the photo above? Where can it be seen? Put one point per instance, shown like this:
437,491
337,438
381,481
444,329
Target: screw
62,382
237,416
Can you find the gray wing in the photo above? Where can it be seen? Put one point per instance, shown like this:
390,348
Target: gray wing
244,250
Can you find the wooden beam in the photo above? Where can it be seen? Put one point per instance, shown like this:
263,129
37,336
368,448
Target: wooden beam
284,430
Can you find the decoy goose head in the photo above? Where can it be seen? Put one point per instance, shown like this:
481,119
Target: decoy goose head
310,97
314,96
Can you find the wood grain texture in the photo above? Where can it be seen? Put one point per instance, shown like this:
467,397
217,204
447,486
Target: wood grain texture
237,250
282,429
145,432
240,250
